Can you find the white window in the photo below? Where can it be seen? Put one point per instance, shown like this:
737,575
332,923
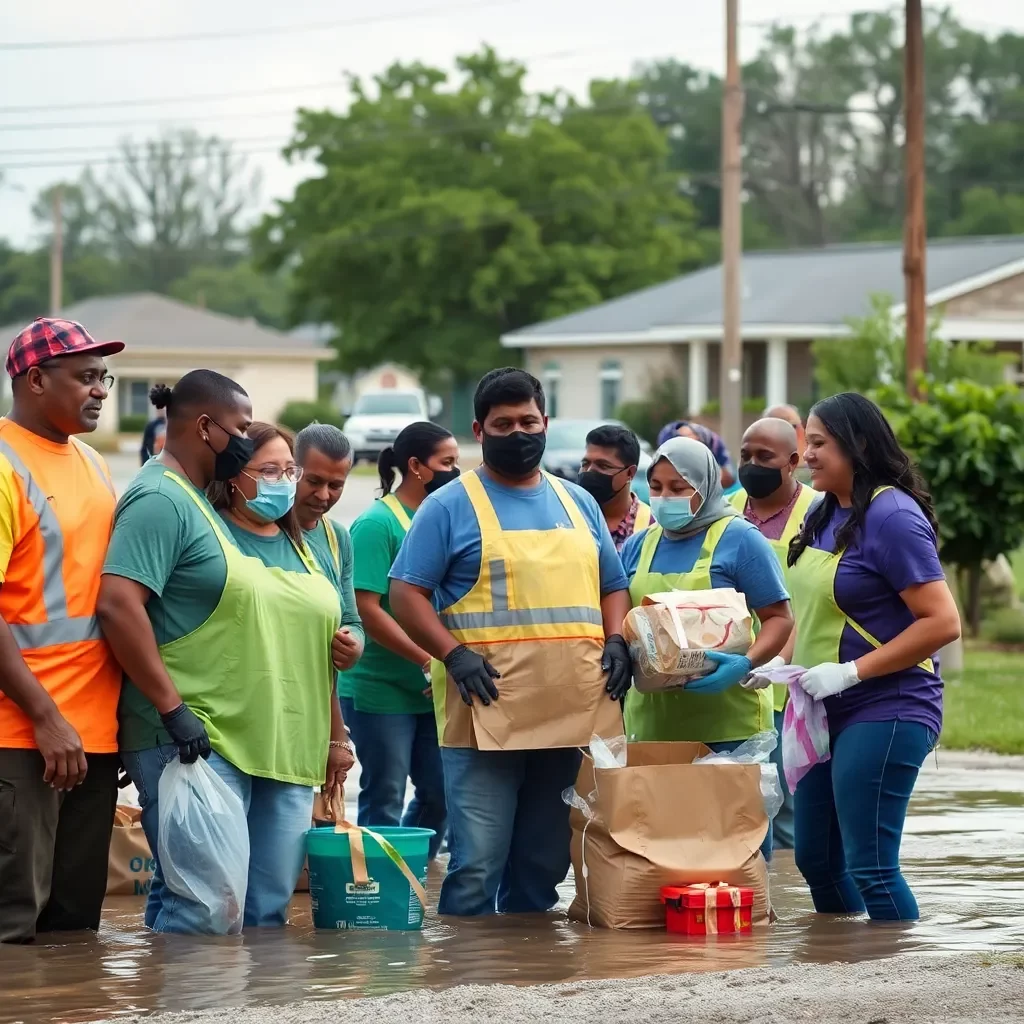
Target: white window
134,397
611,388
551,378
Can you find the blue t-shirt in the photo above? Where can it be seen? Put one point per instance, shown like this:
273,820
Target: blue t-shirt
441,552
743,560
895,550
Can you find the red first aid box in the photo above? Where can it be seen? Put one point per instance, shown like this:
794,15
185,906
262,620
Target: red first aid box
708,909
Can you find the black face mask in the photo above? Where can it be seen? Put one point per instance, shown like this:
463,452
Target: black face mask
760,481
235,457
440,478
513,455
600,485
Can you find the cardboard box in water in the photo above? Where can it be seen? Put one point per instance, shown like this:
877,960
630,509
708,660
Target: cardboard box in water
660,821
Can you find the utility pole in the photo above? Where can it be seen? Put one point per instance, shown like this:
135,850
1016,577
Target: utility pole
731,363
914,224
57,253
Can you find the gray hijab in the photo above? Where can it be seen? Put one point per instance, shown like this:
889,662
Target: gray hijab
696,464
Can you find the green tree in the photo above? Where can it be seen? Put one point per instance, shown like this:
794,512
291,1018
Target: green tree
449,213
875,353
240,290
966,440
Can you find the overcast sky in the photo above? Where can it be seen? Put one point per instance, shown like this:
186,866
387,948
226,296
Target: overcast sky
564,42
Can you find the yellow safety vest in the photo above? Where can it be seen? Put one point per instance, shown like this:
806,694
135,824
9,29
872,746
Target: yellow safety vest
643,518
535,614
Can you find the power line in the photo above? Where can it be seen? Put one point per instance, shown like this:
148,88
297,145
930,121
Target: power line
277,30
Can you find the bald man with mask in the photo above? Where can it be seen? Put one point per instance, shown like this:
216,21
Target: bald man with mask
791,414
776,502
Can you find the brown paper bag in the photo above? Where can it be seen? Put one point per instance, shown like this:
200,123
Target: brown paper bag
662,820
130,865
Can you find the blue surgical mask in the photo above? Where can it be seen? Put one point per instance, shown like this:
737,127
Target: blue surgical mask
272,500
672,513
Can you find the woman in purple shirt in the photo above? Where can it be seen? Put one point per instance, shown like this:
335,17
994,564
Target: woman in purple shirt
872,608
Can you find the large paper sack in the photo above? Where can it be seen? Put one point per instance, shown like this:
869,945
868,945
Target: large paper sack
130,864
203,844
669,633
662,820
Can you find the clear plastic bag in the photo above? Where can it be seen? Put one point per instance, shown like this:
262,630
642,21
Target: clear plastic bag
203,844
757,750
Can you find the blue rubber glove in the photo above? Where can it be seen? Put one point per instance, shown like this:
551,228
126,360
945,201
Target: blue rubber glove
732,669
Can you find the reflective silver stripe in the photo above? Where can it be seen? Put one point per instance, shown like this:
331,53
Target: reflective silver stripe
60,631
522,617
499,585
54,599
95,458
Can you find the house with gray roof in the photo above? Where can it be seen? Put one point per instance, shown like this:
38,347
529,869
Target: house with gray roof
165,338
593,360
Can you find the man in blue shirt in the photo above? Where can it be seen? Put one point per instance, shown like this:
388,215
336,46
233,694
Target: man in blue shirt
510,578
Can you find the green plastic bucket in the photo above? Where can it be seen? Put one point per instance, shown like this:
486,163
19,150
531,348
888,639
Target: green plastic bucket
387,901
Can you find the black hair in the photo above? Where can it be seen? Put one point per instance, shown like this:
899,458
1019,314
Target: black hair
621,440
506,386
324,438
866,439
416,441
205,388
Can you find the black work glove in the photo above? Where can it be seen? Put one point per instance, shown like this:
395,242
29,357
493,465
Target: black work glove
188,732
616,663
473,675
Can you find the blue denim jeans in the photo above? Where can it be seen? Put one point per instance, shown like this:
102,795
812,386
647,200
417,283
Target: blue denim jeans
278,813
392,749
782,825
767,843
849,820
508,829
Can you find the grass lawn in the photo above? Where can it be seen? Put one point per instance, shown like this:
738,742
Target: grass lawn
984,708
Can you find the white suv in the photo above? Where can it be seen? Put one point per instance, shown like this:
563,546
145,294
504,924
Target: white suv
379,416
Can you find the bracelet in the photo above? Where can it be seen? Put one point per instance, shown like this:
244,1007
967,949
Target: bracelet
342,745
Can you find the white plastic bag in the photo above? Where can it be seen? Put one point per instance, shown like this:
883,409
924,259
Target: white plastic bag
757,750
203,844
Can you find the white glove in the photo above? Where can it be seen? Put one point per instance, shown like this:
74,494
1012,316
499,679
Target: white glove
829,679
760,678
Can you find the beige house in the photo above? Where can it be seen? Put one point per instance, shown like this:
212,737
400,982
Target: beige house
593,360
164,339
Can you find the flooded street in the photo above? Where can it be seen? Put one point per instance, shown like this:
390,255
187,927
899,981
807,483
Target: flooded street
963,855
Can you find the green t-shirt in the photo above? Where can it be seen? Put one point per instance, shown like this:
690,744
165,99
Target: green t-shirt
162,540
382,682
318,543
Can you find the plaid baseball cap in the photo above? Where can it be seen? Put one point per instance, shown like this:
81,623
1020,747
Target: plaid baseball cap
47,338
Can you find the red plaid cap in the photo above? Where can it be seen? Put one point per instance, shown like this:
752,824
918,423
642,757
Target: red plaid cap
47,338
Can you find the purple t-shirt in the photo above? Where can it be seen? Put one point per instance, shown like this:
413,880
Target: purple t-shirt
895,549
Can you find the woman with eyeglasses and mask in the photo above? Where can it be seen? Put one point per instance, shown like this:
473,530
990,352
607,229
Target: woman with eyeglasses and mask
225,624
386,697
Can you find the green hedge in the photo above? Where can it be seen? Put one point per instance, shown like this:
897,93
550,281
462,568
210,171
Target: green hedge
296,415
133,423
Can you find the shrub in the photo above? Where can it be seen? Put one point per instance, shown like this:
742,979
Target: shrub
1004,626
296,415
648,415
133,423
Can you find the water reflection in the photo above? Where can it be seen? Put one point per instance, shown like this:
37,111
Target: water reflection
963,854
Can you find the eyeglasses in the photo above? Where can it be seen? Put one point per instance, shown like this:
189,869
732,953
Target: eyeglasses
87,378
275,474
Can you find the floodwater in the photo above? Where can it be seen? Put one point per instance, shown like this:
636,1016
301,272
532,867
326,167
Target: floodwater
963,854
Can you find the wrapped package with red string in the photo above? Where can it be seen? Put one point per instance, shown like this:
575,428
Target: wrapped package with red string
669,633
708,908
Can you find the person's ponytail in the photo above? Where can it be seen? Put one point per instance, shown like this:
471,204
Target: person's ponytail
160,396
387,466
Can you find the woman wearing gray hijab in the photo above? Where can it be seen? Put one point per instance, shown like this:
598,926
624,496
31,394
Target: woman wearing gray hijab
699,542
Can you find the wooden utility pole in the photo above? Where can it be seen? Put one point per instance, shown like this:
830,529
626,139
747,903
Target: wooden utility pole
730,388
57,253
914,225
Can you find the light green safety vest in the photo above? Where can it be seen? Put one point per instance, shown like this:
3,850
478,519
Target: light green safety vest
258,671
735,714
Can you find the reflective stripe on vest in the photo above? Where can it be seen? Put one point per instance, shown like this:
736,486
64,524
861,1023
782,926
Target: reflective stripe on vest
94,458
58,627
